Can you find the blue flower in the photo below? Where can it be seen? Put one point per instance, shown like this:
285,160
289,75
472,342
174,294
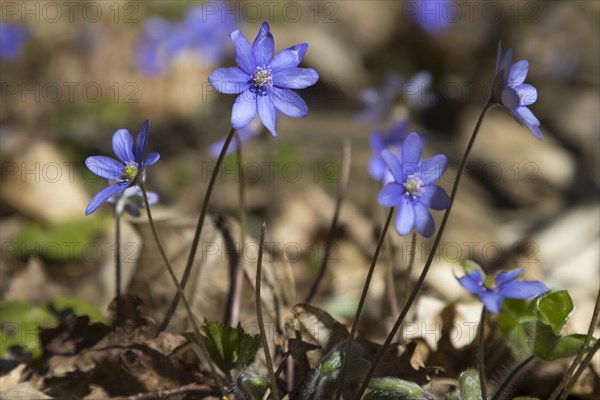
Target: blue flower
131,201
432,15
393,141
201,32
12,39
412,189
492,290
127,172
512,93
264,81
380,104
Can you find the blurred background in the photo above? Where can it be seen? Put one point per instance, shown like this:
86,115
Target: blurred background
73,73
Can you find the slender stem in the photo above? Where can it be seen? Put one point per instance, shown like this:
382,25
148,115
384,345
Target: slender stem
118,262
390,282
259,315
343,188
586,343
411,265
481,353
361,303
430,258
190,261
239,272
515,372
584,364
180,292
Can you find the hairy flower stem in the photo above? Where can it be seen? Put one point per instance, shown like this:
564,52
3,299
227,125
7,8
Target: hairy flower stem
586,343
180,292
361,303
430,258
481,353
190,261
259,315
514,373
118,262
343,188
239,272
584,364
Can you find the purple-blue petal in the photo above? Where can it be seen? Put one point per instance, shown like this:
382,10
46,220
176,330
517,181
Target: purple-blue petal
266,112
122,145
492,301
472,282
151,159
141,141
433,168
434,197
288,58
522,289
391,195
405,219
295,78
376,141
289,103
244,109
104,167
394,164
518,73
263,45
526,117
507,276
526,93
103,195
411,151
244,57
423,220
229,80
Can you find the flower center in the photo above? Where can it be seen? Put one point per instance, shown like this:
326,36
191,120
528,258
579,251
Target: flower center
413,187
262,78
130,171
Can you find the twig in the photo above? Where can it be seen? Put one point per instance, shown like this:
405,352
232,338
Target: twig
239,272
191,317
188,267
481,354
343,188
261,324
361,303
511,376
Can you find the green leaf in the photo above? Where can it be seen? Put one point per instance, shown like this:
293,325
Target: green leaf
554,309
21,322
394,388
517,325
470,266
63,305
550,347
228,347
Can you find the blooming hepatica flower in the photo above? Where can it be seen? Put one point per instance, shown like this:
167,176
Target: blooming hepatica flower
12,39
132,200
264,81
127,172
512,93
493,289
393,141
412,189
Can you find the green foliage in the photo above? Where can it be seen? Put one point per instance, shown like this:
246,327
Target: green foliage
394,389
228,347
63,242
252,385
517,324
554,309
534,326
21,321
470,388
